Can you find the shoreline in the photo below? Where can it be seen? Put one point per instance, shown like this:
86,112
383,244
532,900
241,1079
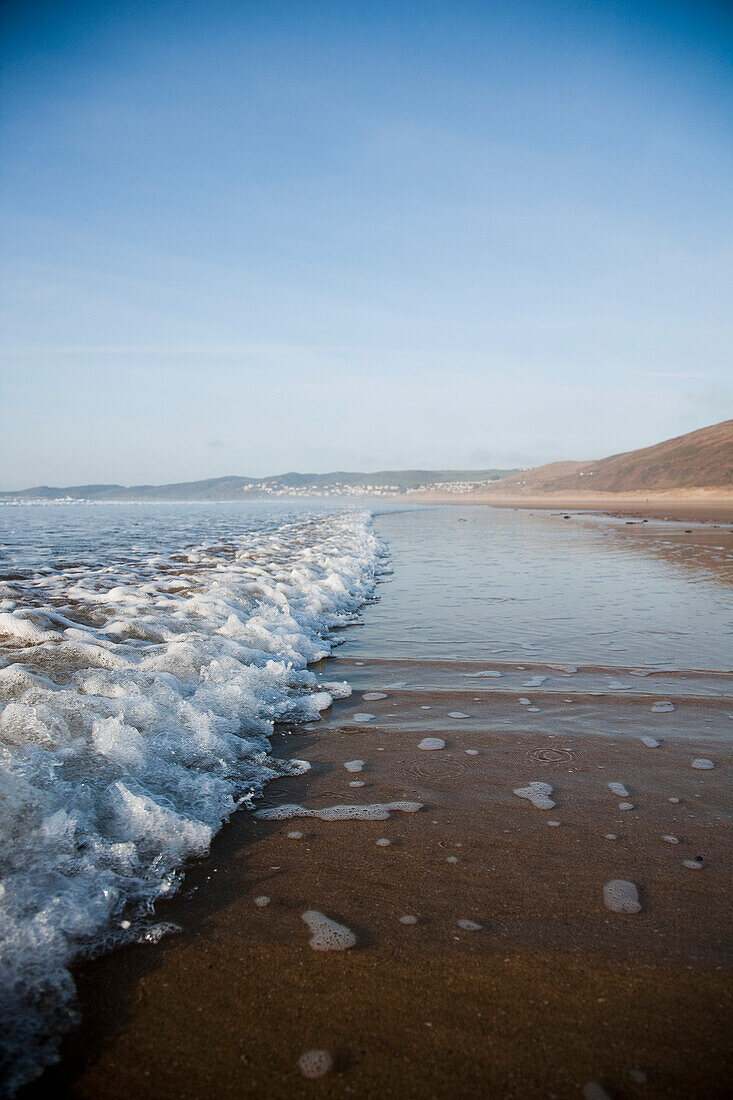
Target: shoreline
696,506
551,991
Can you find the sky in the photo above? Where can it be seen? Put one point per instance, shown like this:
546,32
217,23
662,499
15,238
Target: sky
246,238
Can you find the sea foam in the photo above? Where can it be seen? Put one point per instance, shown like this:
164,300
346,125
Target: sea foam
137,699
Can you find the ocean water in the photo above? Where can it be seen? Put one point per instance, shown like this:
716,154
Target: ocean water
146,652
519,586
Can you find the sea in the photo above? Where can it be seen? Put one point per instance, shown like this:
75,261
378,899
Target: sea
147,652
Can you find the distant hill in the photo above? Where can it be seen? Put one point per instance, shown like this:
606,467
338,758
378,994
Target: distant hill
700,459
339,483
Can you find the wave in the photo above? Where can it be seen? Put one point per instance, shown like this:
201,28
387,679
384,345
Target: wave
138,698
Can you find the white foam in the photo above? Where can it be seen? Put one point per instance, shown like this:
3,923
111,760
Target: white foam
354,765
618,789
538,794
702,764
137,717
618,685
356,783
471,752
373,696
383,842
295,834
671,839
553,823
469,925
452,859
363,717
374,812
327,934
662,707
262,901
625,805
593,1091
525,702
430,744
315,1063
621,896
693,864
408,919
457,714
650,742
489,672
535,682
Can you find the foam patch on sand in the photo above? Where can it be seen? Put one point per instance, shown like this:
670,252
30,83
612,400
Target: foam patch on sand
621,896
431,744
618,789
315,1063
650,742
137,699
327,934
662,707
457,714
373,696
375,812
354,765
702,764
538,794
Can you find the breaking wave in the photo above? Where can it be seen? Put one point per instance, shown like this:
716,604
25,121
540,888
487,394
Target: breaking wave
137,698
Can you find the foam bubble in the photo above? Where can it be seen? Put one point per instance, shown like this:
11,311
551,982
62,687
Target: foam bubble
702,764
625,805
471,752
457,714
373,696
262,901
662,707
356,783
327,934
538,794
295,834
553,823
430,744
452,859
383,842
671,839
408,919
489,672
315,1063
363,717
535,682
525,702
621,896
469,925
354,765
650,742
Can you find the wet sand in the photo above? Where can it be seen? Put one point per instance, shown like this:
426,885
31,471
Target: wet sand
552,992
699,506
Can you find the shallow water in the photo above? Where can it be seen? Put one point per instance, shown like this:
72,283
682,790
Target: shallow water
518,587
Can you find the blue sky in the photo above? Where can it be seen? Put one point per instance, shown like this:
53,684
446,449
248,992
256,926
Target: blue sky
253,237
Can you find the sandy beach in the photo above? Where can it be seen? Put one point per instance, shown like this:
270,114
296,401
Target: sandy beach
688,506
551,992
485,959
